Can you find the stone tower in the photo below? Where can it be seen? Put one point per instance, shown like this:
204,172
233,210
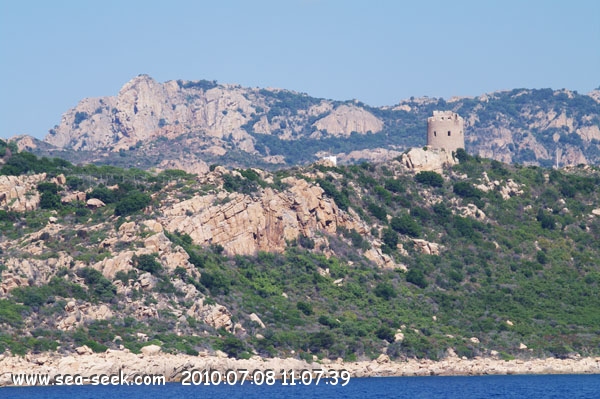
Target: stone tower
445,129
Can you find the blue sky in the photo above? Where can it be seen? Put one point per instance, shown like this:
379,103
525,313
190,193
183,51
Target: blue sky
54,53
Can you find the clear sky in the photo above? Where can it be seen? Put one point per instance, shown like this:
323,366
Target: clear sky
55,53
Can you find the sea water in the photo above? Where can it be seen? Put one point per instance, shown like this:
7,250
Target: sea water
498,387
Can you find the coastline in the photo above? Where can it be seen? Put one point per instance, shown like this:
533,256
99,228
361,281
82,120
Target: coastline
172,366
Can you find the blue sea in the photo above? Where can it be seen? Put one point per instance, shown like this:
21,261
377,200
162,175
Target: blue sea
499,387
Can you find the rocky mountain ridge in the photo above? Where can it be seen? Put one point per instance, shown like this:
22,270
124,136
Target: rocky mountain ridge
152,124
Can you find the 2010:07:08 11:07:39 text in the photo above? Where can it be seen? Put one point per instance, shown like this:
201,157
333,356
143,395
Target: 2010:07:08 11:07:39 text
266,377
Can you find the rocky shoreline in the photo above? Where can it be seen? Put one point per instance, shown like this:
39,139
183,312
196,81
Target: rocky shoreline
113,362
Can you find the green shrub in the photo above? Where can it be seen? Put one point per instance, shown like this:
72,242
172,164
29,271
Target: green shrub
385,290
462,155
11,313
377,211
240,184
429,178
386,334
306,242
216,282
394,186
133,202
546,221
31,296
103,194
466,190
405,224
147,263
102,289
50,201
416,277
320,340
442,211
304,307
47,187
124,277
233,346
328,321
390,238
340,197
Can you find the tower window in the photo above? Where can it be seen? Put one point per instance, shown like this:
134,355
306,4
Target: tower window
435,133
448,132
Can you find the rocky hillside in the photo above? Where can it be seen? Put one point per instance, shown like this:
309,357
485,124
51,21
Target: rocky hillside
425,255
151,124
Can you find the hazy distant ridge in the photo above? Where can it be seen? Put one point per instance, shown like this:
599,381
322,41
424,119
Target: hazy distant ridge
150,123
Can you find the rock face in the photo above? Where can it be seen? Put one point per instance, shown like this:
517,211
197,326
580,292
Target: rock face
18,193
79,314
372,155
347,119
426,247
145,109
418,159
244,225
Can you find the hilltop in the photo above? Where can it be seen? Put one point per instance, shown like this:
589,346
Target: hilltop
151,124
427,255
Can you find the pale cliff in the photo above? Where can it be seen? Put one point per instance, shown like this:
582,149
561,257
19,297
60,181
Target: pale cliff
347,119
144,110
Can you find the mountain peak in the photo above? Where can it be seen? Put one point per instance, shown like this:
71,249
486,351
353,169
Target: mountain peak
151,123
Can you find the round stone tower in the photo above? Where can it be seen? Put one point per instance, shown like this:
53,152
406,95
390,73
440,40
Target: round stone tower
445,129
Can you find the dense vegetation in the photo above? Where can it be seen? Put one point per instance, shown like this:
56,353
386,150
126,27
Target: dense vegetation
520,270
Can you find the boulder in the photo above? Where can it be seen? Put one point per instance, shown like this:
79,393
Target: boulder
151,350
429,159
84,350
426,247
256,319
95,203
